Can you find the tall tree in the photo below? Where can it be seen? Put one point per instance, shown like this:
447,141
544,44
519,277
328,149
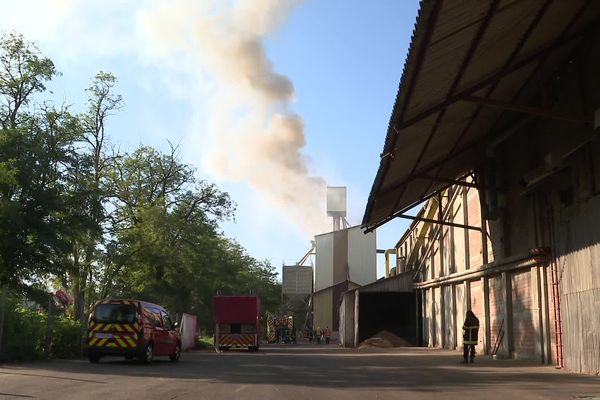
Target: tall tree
35,149
93,176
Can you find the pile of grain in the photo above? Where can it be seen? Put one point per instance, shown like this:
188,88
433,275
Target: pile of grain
384,339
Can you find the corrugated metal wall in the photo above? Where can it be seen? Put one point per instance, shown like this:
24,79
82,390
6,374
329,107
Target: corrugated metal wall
579,273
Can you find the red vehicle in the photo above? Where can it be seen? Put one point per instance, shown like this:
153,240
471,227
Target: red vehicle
237,322
133,329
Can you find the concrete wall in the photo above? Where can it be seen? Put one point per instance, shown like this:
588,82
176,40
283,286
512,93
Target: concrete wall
324,261
362,256
323,308
347,322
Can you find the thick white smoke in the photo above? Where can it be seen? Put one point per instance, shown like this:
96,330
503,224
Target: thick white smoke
252,135
243,126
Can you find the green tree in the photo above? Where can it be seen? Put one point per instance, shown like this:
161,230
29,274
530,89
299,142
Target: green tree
92,177
36,151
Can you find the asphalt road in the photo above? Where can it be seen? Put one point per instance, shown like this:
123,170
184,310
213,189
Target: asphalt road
299,372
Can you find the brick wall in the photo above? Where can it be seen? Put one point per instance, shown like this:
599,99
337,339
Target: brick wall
524,334
474,218
497,312
477,308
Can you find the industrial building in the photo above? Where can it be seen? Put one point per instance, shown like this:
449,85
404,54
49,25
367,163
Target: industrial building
345,259
493,151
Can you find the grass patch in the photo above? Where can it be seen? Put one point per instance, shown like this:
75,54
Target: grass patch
203,342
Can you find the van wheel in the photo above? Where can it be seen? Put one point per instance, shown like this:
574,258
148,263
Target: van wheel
175,356
148,354
93,358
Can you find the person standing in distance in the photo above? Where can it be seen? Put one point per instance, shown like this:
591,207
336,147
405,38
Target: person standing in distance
470,336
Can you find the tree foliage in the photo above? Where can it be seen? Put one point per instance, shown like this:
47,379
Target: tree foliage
77,212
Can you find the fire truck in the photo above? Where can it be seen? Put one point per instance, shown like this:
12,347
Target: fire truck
237,322
280,329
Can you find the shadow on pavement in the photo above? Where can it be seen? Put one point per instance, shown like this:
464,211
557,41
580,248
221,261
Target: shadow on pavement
418,369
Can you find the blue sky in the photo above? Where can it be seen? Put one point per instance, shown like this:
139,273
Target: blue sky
344,59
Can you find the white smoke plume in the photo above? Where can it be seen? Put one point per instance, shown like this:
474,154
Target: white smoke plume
252,135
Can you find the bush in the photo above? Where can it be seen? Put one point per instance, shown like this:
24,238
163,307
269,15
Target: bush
66,338
24,334
24,331
203,342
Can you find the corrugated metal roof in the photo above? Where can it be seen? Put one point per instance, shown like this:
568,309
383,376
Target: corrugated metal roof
489,49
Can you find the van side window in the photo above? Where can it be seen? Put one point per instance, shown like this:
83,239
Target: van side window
157,320
167,320
149,316
153,317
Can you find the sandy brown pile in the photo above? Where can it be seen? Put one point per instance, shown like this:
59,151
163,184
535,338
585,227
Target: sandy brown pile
384,339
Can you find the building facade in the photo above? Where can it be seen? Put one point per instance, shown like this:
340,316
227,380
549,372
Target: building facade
495,129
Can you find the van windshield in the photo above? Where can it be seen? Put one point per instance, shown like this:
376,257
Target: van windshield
115,313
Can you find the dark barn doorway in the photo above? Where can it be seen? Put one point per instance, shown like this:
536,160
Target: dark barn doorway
390,311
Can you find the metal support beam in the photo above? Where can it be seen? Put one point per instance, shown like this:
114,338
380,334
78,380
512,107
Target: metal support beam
537,111
435,221
446,180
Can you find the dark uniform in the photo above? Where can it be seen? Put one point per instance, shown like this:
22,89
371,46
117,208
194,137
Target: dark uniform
470,335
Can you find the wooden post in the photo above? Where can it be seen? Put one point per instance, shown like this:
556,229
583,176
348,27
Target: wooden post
2,308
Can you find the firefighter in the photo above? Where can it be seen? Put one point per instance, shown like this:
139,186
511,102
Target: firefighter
327,335
319,334
470,336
